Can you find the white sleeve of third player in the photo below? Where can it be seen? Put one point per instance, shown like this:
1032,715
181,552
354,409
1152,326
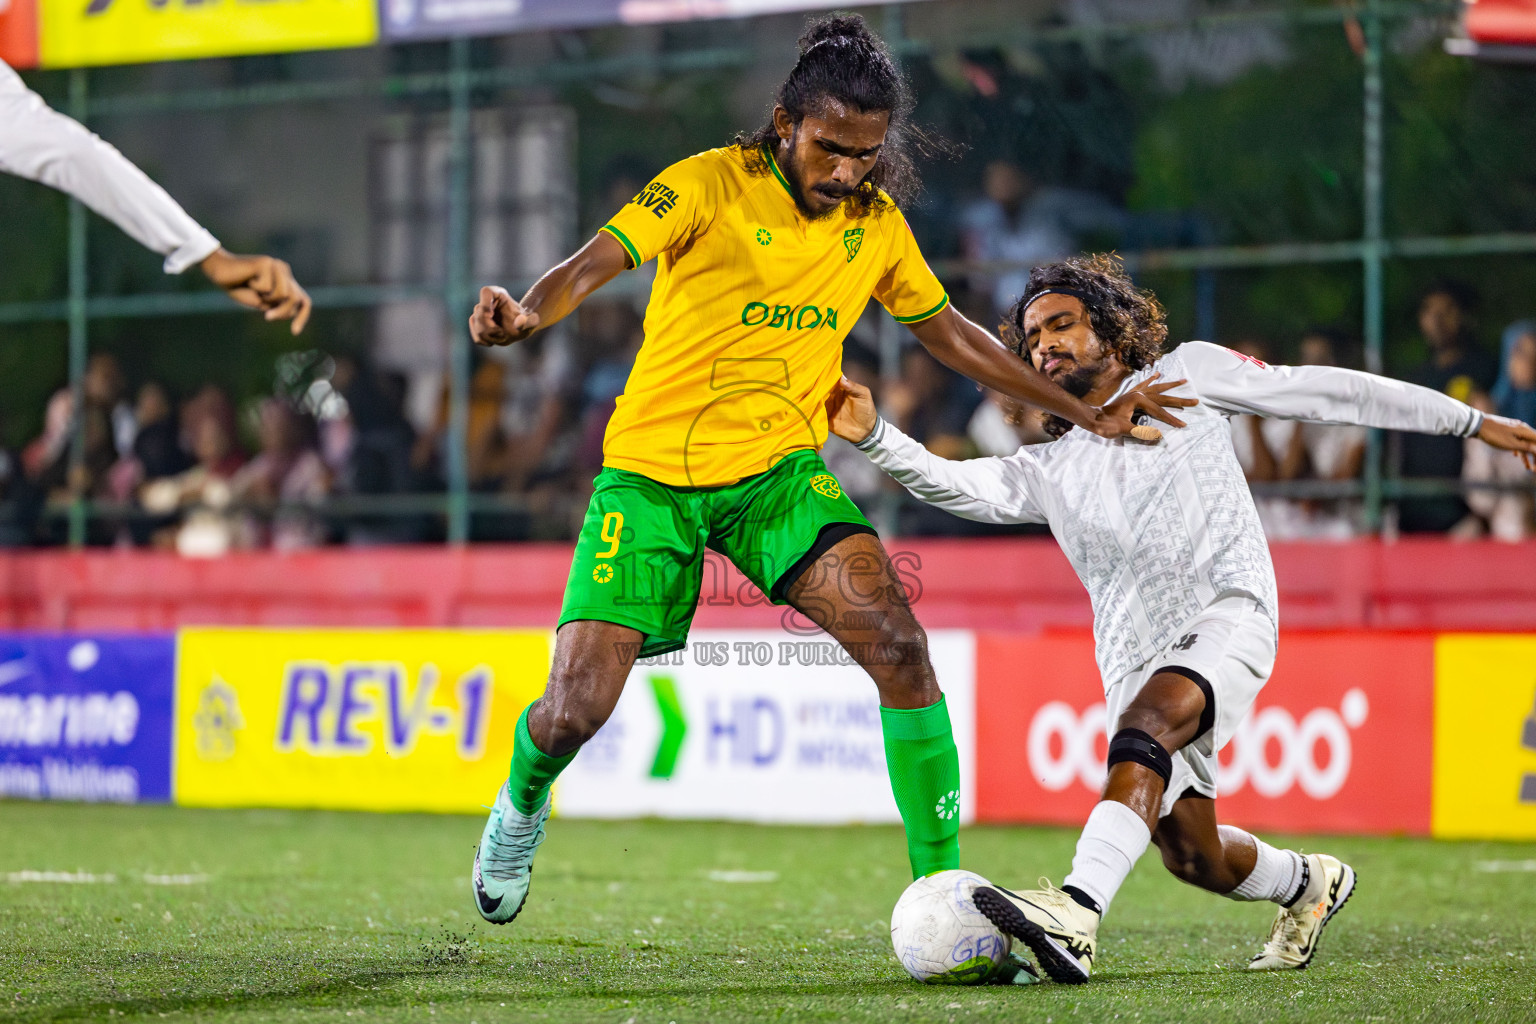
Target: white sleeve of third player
41,144
993,490
1235,384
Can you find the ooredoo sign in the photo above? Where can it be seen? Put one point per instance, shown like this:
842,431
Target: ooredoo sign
1339,740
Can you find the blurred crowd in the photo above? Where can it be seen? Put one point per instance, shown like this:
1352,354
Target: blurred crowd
204,476
1497,498
336,450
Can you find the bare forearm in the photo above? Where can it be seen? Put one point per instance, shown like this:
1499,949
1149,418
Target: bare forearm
557,294
969,349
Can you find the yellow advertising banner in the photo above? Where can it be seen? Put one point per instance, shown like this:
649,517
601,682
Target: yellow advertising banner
388,720
75,33
1485,737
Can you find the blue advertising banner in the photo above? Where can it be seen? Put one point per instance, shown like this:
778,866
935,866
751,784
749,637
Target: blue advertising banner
86,717
435,19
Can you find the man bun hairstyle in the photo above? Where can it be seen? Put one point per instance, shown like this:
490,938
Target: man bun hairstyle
843,61
1128,320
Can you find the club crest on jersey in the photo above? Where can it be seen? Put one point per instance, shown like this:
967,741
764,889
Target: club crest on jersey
852,239
825,484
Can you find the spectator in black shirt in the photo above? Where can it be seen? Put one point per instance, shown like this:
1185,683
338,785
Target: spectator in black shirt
1458,367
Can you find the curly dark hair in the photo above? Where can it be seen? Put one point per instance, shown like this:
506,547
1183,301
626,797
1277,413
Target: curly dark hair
1128,319
841,59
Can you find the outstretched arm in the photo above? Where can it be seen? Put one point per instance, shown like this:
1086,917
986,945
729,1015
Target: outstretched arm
499,319
40,144
969,349
991,490
1328,394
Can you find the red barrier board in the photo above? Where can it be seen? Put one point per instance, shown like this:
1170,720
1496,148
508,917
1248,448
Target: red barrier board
1505,22
1338,741
1426,585
18,33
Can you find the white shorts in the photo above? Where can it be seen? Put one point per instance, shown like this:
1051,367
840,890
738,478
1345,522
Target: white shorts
1230,645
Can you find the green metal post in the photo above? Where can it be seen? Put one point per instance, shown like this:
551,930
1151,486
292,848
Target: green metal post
77,328
456,285
1373,253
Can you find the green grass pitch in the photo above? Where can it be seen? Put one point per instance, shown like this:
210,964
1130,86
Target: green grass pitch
313,916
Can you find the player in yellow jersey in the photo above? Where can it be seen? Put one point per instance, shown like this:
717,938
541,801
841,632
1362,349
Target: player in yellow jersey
768,251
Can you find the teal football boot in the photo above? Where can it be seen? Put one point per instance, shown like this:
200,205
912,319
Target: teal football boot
504,860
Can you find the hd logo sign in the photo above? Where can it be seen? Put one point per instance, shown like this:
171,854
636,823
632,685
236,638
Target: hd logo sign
383,721
759,725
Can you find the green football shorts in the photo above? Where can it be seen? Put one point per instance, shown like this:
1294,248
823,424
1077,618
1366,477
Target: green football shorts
640,558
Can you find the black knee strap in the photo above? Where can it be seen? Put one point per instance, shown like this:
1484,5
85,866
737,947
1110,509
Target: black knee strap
1139,747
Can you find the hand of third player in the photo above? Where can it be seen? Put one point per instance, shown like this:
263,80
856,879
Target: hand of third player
1510,436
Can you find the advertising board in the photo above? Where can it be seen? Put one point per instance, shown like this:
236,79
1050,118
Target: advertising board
76,33
387,720
757,725
1338,741
86,717
428,19
18,33
1485,737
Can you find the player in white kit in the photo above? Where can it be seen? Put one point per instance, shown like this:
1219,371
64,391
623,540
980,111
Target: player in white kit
1167,540
41,144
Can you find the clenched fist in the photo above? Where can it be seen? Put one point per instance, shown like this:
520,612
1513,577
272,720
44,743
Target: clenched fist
499,319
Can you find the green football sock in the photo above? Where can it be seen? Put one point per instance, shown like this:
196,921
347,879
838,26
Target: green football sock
533,771
925,777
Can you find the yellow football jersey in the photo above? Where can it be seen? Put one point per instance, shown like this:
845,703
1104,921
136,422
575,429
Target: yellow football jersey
745,325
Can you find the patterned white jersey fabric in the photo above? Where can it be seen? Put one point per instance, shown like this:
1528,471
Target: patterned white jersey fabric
1157,532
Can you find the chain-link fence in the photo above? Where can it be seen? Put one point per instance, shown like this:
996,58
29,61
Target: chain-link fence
1269,170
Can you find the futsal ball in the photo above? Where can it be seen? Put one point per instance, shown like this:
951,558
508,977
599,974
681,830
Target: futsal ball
940,936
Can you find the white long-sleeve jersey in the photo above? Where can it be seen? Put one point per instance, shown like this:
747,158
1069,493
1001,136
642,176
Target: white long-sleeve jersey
1157,532
41,144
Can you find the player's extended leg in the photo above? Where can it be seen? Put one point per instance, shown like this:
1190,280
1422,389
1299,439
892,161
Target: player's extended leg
1061,925
853,593
592,660
1310,889
632,591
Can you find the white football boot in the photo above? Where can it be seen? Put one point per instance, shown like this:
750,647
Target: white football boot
504,859
1293,937
1062,933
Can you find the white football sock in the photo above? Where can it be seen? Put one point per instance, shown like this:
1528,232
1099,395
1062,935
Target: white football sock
1277,876
1112,841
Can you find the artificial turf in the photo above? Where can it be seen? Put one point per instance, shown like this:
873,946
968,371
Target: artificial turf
316,916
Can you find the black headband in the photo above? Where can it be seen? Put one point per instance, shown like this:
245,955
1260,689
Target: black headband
1080,296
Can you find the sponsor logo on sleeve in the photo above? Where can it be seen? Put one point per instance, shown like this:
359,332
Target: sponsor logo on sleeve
657,198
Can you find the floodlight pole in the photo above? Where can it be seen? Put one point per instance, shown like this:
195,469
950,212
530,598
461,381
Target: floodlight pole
1373,250
78,325
455,287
